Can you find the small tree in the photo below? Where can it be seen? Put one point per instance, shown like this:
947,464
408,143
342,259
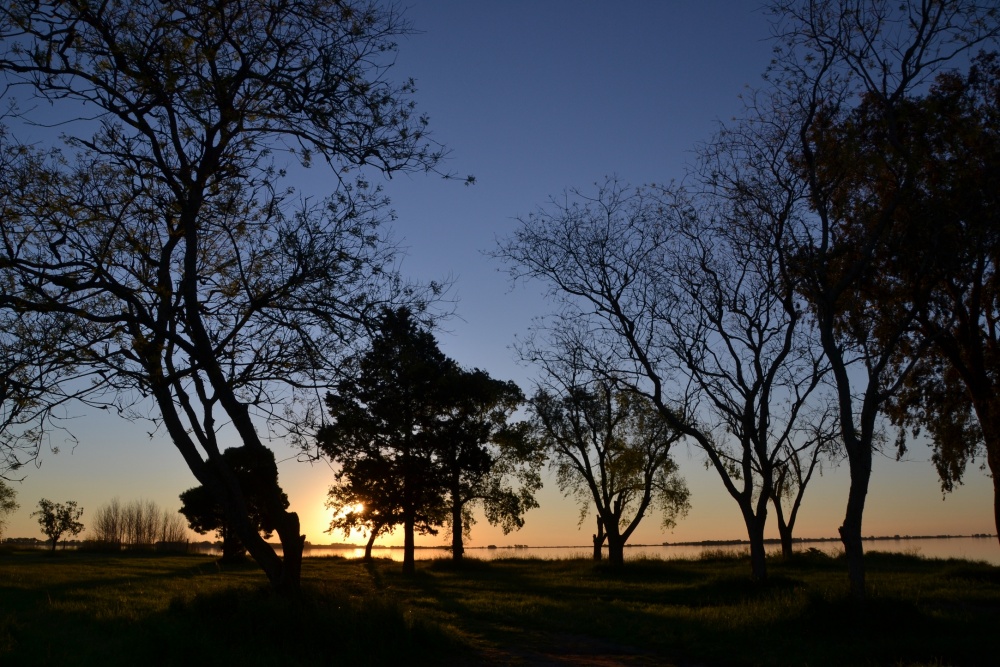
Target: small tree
8,504
611,451
366,497
59,518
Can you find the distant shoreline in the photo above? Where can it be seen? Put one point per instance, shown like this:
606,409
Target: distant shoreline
703,543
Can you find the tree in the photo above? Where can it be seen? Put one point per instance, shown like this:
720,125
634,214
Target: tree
196,291
57,519
8,504
255,472
483,458
611,450
686,300
949,257
384,419
841,78
420,439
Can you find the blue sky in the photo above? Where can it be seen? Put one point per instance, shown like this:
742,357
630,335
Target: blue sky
534,98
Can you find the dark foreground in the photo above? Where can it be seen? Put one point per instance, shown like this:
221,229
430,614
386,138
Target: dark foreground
94,609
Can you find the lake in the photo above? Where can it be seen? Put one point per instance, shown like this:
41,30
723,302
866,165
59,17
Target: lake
970,548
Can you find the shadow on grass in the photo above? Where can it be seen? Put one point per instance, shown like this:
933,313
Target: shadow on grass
94,609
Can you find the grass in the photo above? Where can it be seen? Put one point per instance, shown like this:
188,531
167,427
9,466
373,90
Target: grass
94,609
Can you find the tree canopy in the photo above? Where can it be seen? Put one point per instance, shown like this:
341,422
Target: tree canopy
58,519
196,288
255,472
419,439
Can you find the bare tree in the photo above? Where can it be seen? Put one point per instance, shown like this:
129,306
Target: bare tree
199,292
140,524
689,302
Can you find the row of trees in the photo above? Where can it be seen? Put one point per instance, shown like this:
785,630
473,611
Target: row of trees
832,264
420,441
136,525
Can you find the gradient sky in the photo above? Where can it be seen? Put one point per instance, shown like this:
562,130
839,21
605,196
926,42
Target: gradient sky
534,98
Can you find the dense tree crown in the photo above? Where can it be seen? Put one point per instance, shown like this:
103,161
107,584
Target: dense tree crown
255,472
412,431
158,231
8,504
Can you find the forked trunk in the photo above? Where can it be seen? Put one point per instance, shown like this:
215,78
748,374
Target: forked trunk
785,533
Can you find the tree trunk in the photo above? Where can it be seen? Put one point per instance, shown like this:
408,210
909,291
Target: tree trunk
785,532
457,544
409,560
598,540
371,541
850,532
755,534
616,548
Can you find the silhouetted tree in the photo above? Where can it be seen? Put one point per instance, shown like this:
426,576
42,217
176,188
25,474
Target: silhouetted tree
686,299
255,472
611,451
946,256
385,420
485,459
159,228
841,79
57,519
367,497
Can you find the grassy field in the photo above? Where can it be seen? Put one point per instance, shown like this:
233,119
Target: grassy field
93,609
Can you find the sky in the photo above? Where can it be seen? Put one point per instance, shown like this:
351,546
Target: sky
534,98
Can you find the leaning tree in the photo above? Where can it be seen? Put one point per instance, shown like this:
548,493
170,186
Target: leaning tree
197,290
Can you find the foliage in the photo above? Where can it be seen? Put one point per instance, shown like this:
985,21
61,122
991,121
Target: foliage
948,266
255,472
483,458
57,519
158,226
835,111
8,504
419,439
